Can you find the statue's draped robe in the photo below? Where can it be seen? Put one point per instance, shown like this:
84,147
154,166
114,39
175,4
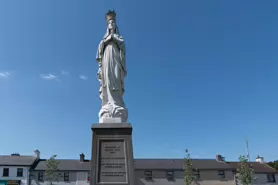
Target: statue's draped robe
111,74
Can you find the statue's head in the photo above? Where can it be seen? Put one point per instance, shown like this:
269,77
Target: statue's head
111,20
111,25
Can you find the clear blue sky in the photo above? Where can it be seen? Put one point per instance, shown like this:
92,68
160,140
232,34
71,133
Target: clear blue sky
202,75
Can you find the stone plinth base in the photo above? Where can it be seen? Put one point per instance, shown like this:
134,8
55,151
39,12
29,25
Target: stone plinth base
112,154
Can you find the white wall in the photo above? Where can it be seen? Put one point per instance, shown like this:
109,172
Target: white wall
262,180
13,174
75,178
82,178
207,177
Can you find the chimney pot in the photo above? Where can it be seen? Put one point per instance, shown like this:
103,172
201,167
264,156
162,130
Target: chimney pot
37,153
82,157
260,159
220,158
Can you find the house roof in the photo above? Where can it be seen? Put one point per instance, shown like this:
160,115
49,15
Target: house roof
66,165
178,164
17,160
258,167
160,164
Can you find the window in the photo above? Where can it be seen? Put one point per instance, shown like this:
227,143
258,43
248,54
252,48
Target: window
170,175
148,175
66,176
221,174
196,174
40,176
271,178
19,172
5,172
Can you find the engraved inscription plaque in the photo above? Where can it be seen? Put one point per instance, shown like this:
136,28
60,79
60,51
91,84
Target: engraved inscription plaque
112,161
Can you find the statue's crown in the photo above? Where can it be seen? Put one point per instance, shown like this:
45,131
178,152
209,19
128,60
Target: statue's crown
111,15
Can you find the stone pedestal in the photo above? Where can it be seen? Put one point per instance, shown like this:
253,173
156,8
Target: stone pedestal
112,154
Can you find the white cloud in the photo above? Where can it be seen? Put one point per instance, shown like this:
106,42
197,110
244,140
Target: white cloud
4,74
82,77
49,77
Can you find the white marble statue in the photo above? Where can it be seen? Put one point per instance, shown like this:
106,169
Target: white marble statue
111,57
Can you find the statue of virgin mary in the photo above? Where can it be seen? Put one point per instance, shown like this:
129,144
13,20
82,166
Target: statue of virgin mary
111,57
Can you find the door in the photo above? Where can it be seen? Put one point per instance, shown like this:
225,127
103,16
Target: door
2,182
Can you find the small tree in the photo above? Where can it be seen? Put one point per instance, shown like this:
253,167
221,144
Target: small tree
274,164
245,171
189,177
52,169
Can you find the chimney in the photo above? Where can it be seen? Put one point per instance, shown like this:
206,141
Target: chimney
37,153
82,157
219,158
15,154
260,159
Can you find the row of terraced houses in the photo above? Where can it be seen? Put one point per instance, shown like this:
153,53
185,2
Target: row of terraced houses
30,170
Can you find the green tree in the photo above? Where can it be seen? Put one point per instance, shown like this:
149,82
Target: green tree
274,164
189,177
245,171
52,174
